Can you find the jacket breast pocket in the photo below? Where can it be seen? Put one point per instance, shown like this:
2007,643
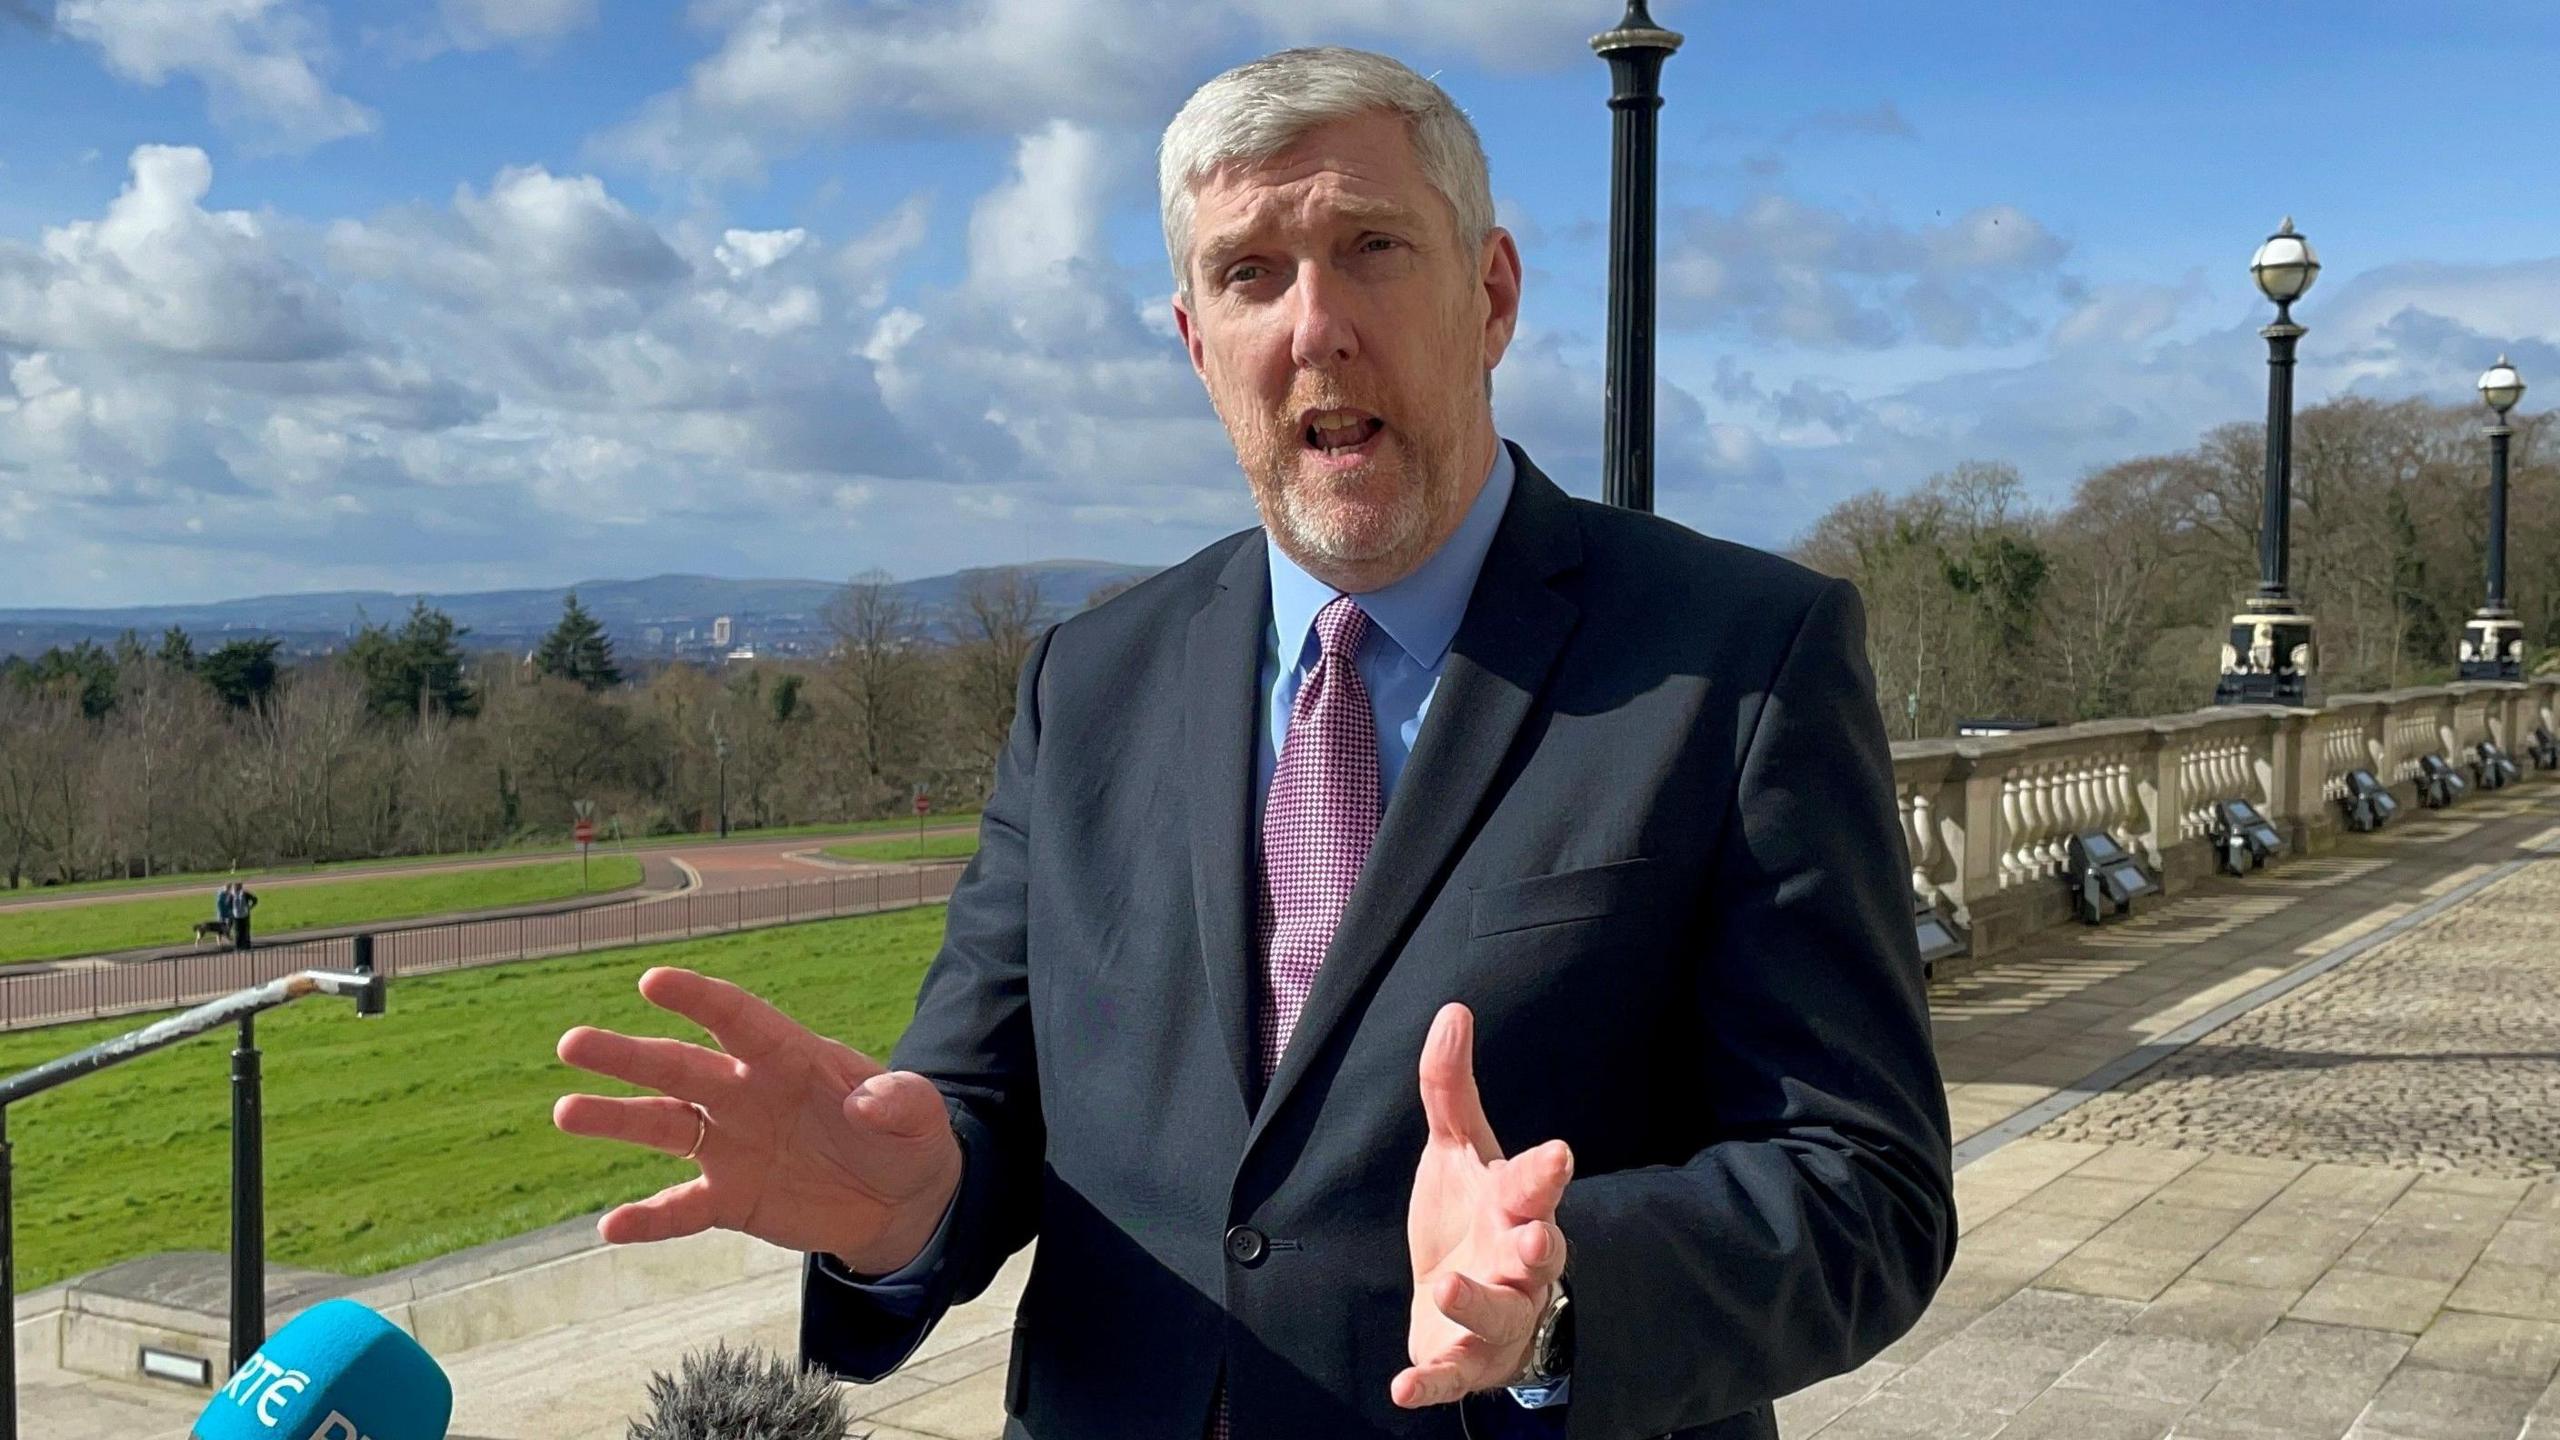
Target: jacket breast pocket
1594,893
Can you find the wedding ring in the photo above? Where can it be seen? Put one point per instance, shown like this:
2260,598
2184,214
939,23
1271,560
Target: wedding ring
701,1132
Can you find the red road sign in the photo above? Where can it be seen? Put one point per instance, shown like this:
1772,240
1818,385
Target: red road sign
586,831
924,804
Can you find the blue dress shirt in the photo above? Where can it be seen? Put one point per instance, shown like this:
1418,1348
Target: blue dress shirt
1411,625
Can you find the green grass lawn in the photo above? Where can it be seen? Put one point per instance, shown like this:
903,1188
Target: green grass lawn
931,847
547,848
54,932
424,1132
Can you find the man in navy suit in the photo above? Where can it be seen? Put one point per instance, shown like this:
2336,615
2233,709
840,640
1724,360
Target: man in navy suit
1437,963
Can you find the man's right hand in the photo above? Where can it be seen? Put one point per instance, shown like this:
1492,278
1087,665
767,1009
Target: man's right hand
806,1143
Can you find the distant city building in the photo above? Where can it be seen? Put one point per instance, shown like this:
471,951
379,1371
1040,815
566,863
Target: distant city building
743,652
720,631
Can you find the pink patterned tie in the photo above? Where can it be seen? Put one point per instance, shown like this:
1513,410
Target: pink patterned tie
1317,825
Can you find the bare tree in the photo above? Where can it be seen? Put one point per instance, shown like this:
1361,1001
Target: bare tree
305,744
40,732
873,686
161,735
577,742
992,636
45,770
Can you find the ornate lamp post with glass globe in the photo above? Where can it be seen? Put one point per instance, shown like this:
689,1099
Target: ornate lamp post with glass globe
2493,643
2269,658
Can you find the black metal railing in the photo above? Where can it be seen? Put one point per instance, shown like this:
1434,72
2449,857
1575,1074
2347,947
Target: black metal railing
248,1142
52,993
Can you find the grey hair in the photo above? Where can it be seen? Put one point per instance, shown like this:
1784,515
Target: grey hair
1261,107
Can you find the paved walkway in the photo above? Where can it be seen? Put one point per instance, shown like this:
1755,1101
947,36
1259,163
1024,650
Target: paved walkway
739,886
749,861
2334,1214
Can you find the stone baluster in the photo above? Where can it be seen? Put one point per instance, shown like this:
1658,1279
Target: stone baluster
2013,828
2160,788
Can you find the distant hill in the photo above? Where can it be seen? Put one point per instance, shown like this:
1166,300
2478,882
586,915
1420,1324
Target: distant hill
773,616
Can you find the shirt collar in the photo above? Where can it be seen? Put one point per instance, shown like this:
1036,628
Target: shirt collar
1419,612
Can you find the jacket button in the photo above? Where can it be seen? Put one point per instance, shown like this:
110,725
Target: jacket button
1246,1245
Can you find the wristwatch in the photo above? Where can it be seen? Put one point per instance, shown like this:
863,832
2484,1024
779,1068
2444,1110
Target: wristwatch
1550,1344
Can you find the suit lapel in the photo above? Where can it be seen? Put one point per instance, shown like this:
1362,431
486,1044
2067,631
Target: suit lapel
1515,627
1221,666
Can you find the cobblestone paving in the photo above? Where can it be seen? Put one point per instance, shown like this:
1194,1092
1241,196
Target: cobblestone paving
2336,1218
2436,1051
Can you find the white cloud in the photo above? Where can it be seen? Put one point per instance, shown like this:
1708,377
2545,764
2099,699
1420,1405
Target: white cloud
743,252
2127,314
785,71
160,273
546,259
1037,372
1045,216
2126,375
566,229
1786,269
258,59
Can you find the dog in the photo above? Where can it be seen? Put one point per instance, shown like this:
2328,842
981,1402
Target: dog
212,930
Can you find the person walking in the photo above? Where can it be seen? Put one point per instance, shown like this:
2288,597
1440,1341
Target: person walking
243,900
222,911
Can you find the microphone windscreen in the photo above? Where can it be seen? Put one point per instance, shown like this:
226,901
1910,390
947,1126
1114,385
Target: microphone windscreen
337,1372
745,1394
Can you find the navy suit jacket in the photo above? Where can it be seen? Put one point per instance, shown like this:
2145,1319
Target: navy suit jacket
1647,833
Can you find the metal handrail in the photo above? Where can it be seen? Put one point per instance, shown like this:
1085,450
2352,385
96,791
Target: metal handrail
248,1138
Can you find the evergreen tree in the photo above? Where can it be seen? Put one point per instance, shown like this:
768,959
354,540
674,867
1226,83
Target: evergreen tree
85,670
178,650
785,697
242,672
415,669
578,649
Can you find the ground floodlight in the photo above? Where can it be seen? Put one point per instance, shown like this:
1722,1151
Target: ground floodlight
2104,879
2494,768
2370,803
2242,837
1939,935
2545,748
2439,784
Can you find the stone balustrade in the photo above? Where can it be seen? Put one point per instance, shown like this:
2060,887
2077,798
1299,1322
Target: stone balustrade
1987,821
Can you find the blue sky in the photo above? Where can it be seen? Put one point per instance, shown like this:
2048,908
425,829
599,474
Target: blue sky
497,292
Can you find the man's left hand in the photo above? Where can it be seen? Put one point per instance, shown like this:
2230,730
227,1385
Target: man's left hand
1486,1251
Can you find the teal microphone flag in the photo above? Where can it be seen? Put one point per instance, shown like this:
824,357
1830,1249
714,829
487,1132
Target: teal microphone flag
338,1371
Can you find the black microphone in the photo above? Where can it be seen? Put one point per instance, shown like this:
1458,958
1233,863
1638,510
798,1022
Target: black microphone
744,1394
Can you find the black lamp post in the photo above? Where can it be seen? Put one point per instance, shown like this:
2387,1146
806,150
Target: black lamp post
2493,643
720,748
2269,658
1635,52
